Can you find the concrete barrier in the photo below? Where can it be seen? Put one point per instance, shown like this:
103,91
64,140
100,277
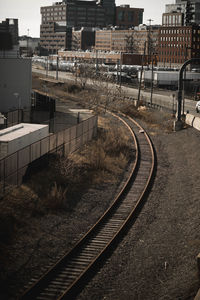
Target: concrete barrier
196,123
189,119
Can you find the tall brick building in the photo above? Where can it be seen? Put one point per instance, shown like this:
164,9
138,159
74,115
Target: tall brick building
179,36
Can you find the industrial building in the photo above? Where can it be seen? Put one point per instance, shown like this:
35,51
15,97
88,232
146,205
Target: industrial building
129,41
62,18
100,57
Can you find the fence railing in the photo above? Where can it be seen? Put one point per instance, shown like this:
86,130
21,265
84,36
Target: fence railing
14,167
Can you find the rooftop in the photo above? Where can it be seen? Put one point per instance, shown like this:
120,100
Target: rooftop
18,131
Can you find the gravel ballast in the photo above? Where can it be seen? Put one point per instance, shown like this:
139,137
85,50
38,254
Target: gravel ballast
157,258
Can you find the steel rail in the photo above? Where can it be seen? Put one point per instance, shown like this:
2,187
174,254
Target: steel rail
66,277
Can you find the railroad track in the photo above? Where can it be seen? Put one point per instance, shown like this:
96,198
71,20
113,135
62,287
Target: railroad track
69,274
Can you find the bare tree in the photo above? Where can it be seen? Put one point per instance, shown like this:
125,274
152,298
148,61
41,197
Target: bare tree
130,43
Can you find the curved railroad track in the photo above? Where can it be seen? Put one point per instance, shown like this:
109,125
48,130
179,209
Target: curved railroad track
68,275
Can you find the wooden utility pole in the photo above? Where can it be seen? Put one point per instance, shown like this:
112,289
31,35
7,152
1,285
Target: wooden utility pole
57,67
149,42
151,81
141,72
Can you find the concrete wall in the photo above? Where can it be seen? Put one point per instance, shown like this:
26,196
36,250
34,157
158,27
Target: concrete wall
15,77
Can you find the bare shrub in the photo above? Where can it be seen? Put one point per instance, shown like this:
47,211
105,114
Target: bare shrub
7,226
56,197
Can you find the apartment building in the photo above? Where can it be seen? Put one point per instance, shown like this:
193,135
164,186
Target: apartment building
179,36
178,44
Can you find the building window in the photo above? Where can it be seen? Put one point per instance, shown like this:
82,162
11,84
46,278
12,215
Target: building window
130,16
121,15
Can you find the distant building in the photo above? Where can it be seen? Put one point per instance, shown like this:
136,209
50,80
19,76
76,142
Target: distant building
28,45
127,17
179,36
183,12
83,39
101,57
178,44
9,38
61,18
128,41
58,20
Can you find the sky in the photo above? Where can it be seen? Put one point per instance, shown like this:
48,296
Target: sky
28,12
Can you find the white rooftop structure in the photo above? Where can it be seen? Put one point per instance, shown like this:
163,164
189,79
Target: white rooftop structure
17,137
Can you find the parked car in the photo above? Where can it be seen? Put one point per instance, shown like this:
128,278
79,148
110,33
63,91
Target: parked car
198,107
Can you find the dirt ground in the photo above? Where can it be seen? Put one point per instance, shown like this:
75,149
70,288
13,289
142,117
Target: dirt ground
156,260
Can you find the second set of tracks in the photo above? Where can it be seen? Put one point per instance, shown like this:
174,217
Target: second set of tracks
67,276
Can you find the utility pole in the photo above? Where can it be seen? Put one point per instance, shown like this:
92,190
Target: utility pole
149,42
47,66
151,81
57,67
27,43
97,62
120,78
141,72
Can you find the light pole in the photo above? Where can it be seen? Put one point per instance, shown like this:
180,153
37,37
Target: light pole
19,104
27,52
178,123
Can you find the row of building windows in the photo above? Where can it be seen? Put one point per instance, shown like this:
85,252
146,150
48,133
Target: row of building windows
171,60
175,31
175,38
61,13
48,9
178,45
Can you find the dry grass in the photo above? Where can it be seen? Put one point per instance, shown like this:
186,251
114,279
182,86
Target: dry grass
162,121
56,198
58,184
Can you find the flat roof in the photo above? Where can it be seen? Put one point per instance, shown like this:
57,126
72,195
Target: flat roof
19,130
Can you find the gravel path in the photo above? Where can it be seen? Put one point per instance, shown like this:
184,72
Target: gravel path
157,258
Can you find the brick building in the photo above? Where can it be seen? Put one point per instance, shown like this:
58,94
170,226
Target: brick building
103,57
129,41
178,44
179,36
58,20
127,17
83,39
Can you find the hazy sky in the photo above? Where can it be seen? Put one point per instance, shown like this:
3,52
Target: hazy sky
28,12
